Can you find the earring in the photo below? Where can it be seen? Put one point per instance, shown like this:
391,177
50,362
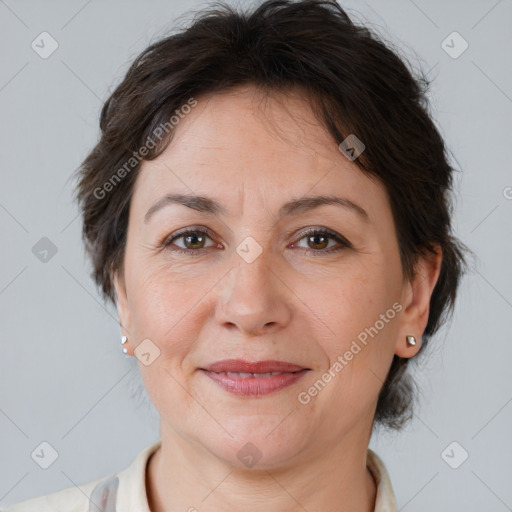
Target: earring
411,340
124,339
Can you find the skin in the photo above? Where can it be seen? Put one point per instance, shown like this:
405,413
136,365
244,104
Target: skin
296,302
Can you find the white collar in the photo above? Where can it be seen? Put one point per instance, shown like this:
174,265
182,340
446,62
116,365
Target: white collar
132,496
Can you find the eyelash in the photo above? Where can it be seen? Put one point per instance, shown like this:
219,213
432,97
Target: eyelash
344,244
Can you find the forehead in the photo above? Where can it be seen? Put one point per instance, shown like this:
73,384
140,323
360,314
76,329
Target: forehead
242,141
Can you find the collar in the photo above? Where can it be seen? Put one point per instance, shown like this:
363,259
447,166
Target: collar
131,493
385,497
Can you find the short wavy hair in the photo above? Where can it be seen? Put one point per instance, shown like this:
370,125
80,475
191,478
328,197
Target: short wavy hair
356,84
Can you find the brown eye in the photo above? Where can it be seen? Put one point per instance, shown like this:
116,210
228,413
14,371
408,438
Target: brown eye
323,242
318,241
194,241
189,241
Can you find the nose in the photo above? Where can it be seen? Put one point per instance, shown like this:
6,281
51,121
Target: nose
254,298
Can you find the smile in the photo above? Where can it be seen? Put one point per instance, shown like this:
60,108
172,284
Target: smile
254,384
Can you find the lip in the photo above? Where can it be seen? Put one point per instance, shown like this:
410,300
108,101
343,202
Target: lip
224,373
239,365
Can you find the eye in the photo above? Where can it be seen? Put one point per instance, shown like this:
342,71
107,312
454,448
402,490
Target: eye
319,241
192,240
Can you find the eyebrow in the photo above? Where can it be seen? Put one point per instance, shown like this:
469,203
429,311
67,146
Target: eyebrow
211,206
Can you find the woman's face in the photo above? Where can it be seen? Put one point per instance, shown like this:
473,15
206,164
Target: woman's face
251,282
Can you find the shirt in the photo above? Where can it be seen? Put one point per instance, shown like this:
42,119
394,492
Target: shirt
125,491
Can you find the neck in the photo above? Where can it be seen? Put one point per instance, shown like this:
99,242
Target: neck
182,477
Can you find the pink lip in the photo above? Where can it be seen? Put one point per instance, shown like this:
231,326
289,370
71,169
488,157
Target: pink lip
253,386
239,365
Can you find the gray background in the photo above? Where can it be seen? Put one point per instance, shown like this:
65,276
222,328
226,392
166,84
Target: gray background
63,378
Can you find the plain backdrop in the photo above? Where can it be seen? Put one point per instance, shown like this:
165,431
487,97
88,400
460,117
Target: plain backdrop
63,378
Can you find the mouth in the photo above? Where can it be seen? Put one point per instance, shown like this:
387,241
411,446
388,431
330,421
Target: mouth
244,378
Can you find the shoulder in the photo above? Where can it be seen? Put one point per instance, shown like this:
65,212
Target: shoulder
114,492
70,499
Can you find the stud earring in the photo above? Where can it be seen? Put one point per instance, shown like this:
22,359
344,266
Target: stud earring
124,339
411,340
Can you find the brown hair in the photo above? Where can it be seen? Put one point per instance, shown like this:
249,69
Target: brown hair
356,85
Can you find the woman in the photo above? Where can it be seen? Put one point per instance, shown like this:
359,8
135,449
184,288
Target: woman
268,208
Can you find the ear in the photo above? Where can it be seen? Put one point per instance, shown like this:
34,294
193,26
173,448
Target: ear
416,296
123,310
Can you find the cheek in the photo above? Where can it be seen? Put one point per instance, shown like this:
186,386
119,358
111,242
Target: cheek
351,300
160,301
359,312
358,345
164,309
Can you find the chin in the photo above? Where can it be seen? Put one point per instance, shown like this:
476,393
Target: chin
261,444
